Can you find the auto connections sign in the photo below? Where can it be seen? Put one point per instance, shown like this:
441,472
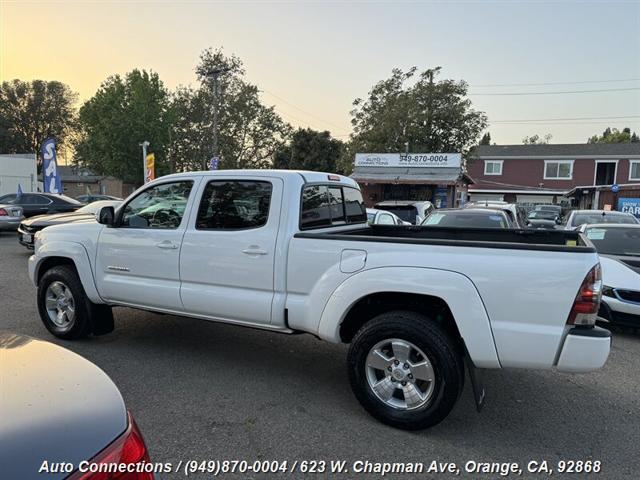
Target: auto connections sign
424,160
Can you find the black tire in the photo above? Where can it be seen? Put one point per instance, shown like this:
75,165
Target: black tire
88,316
444,356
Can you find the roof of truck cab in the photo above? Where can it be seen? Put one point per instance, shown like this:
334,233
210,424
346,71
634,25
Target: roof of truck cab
307,176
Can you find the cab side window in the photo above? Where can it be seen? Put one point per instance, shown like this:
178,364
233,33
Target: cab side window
234,205
161,206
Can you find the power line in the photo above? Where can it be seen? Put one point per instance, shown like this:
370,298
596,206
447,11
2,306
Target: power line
564,119
558,93
304,122
301,110
602,122
555,83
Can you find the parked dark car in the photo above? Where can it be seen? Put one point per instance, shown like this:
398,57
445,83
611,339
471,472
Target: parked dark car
543,219
469,218
30,226
41,203
95,198
60,408
516,213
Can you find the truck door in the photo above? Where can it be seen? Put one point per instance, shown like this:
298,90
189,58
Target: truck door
137,260
228,251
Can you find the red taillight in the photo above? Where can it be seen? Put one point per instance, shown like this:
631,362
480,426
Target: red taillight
587,302
3,213
127,449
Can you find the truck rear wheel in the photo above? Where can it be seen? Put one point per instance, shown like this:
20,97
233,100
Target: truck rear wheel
405,370
65,309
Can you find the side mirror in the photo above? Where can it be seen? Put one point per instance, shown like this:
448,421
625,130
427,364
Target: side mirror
106,216
558,221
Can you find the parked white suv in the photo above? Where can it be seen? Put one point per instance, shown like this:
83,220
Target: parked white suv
407,210
290,251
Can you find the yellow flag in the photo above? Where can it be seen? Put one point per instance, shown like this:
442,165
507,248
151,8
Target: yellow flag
150,174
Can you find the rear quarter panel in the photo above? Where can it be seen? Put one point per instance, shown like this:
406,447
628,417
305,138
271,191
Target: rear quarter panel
513,303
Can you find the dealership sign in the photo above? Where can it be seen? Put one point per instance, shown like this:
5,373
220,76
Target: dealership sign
408,160
629,205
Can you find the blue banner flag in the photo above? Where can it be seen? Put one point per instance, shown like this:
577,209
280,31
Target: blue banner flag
52,180
19,192
213,163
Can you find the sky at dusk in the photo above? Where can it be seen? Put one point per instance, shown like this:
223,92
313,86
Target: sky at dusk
312,59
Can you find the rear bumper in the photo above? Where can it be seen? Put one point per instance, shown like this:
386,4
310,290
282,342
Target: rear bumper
10,223
584,349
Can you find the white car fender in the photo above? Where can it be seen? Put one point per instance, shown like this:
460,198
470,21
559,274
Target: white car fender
454,288
75,252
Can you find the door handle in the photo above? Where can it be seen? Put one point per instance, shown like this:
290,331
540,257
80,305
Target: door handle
254,251
166,245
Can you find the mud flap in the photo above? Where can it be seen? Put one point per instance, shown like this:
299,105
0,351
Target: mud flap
476,383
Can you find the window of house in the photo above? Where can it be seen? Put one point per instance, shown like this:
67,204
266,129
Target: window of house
493,167
634,170
558,169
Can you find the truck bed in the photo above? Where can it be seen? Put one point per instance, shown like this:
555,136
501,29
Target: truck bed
549,240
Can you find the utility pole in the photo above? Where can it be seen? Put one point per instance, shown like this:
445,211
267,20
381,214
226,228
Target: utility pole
144,146
214,76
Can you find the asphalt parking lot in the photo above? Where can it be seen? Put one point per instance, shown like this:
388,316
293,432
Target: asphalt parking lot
201,390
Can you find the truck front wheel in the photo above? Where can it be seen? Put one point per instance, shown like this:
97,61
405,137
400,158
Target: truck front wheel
405,370
65,309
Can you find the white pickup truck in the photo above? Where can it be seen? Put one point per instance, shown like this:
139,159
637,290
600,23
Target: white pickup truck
291,252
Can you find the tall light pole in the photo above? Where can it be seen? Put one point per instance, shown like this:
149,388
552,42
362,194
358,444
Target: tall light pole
144,146
214,75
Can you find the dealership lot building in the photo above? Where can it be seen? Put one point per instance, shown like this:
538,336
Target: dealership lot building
435,177
581,175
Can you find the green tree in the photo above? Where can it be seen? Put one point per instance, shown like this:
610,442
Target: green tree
31,112
613,135
123,113
249,132
537,139
309,150
415,111
486,139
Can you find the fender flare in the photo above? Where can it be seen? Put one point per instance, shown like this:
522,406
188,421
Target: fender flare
77,253
455,289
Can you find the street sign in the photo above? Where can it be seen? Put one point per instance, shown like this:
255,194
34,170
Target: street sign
615,188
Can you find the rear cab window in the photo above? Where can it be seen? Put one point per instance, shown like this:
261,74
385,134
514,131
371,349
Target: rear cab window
331,205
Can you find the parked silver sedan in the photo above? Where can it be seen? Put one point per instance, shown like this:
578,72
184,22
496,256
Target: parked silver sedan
10,217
